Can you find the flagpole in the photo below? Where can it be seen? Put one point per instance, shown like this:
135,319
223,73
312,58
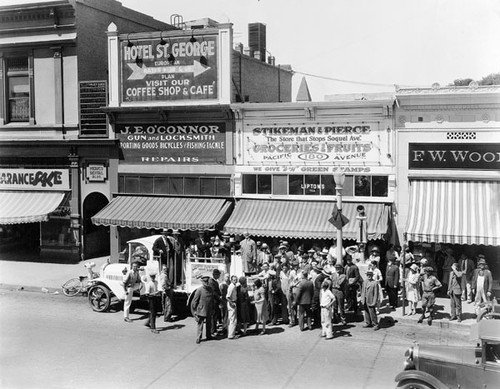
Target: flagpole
339,185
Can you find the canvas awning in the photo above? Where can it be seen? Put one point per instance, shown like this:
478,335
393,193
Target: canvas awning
304,219
184,213
454,212
18,207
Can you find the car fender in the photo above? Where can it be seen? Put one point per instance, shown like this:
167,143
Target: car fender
420,376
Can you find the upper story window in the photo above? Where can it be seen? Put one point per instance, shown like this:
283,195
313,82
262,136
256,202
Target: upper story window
18,89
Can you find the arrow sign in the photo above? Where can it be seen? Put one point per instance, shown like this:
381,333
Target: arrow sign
138,73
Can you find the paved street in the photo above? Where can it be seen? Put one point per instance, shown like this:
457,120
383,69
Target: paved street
52,341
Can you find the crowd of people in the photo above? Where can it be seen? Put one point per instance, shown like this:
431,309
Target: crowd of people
286,284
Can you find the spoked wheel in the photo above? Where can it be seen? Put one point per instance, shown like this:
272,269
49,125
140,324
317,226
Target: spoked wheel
99,298
72,287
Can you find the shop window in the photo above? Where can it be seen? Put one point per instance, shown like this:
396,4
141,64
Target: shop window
380,185
146,184
160,185
264,184
223,186
280,184
348,189
121,184
361,186
295,185
132,185
192,186
327,185
18,89
176,185
312,186
207,187
250,183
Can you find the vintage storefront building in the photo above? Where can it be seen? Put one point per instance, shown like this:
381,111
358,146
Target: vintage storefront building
448,176
169,108
58,161
286,159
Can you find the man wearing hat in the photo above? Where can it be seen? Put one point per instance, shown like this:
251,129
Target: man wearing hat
202,307
248,249
315,306
369,298
226,251
305,292
353,281
392,282
152,293
482,281
216,316
466,266
163,247
339,286
263,255
430,284
202,245
131,281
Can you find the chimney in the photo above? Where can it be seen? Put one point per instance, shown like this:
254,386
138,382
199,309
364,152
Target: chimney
257,39
271,60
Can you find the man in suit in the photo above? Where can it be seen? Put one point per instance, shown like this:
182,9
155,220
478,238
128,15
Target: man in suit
369,298
455,293
392,283
214,284
305,292
353,281
318,282
202,308
466,266
202,245
339,287
163,247
132,281
248,249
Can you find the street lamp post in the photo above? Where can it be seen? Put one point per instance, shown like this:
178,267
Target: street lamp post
339,185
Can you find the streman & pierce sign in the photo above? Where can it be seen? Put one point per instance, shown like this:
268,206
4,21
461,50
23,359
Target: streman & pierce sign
173,143
169,70
316,142
34,179
470,156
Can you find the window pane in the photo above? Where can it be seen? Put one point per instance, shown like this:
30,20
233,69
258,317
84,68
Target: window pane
348,189
207,186
249,183
19,104
327,185
121,184
132,185
264,184
161,185
223,186
146,184
311,185
362,185
295,185
380,185
280,184
176,186
192,186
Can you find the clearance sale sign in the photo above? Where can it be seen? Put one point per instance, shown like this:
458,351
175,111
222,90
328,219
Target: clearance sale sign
169,69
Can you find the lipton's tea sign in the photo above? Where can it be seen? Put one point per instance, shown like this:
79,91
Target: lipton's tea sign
34,179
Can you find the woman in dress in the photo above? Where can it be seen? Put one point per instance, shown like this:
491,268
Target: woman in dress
377,276
412,292
260,302
243,304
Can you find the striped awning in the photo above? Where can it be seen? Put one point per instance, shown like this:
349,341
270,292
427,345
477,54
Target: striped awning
454,212
304,219
18,207
184,213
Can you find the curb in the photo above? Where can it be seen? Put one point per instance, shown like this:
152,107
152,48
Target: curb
33,289
436,322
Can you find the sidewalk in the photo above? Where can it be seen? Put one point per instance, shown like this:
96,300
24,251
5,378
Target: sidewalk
49,277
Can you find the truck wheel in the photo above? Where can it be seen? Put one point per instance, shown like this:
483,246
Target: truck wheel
414,384
99,298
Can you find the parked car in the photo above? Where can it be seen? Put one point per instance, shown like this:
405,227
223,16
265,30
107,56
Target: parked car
488,310
109,285
444,367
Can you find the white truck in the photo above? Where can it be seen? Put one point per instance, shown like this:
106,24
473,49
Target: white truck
108,287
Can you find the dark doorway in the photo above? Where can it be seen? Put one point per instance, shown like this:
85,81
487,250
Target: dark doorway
95,238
